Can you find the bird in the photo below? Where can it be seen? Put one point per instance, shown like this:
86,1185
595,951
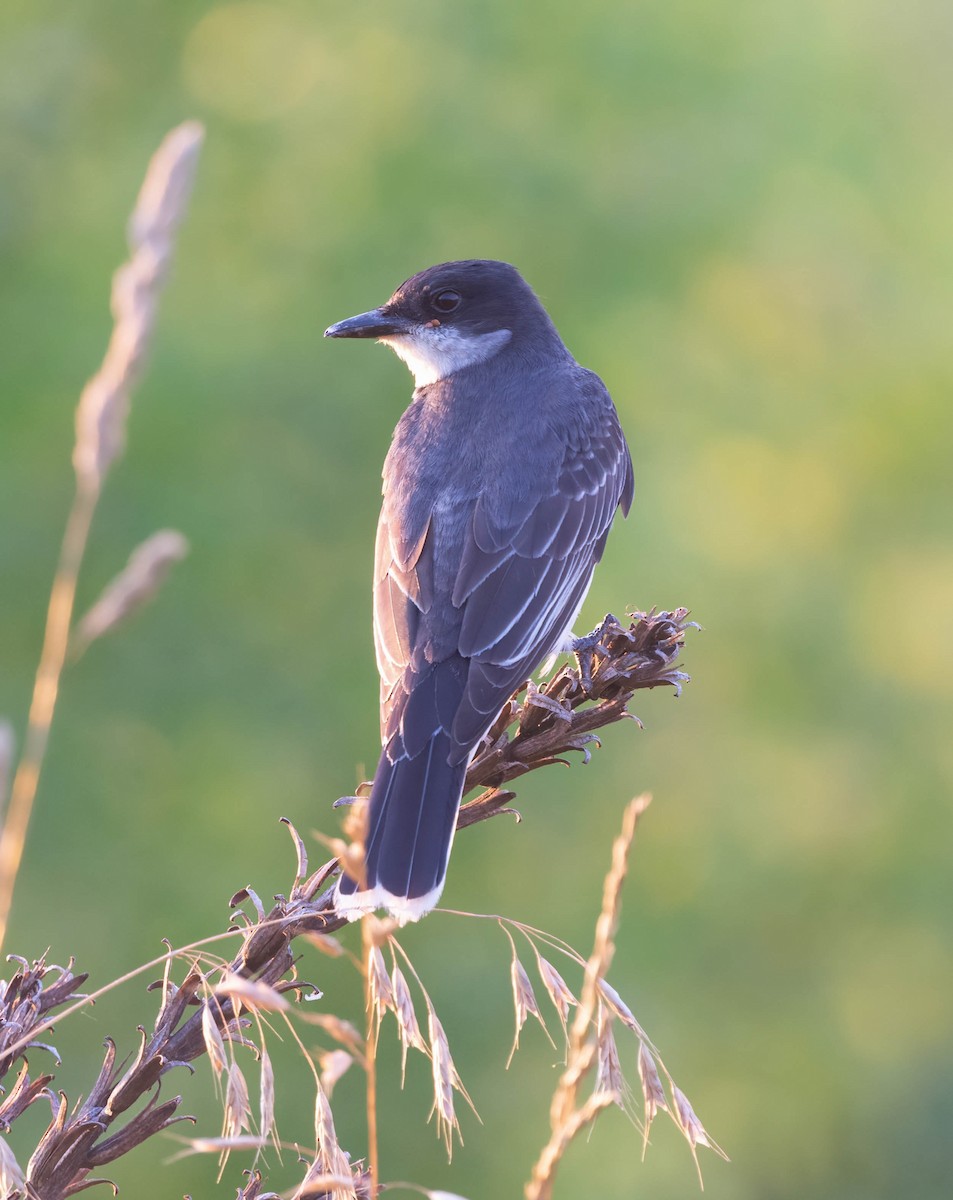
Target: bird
501,483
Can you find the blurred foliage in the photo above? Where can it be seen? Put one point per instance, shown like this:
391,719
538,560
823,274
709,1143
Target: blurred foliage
740,217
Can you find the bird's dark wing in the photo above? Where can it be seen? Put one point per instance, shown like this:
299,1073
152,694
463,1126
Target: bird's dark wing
523,576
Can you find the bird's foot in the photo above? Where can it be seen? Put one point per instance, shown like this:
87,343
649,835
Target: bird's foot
586,648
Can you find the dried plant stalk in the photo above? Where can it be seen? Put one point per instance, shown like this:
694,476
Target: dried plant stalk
100,436
563,713
85,1138
135,585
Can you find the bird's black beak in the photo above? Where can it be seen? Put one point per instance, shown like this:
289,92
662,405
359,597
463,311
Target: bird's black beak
379,322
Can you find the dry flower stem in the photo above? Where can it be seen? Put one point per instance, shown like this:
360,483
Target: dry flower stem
100,422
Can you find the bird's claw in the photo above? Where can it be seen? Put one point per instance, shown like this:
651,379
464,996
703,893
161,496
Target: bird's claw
585,649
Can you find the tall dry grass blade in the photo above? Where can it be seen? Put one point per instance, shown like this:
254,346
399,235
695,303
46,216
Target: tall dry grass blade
566,1119
160,207
100,434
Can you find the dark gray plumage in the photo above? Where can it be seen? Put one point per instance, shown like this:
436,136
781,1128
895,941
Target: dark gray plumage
500,487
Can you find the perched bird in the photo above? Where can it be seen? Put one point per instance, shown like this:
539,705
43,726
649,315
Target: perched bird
501,483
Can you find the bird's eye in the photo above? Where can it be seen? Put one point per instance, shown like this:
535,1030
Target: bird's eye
446,301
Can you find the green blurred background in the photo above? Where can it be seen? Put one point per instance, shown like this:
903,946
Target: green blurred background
739,215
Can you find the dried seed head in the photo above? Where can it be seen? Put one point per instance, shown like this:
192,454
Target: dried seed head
653,1093
350,855
407,1026
379,930
342,1031
331,1159
237,1107
380,992
104,403
619,1007
524,1003
445,1079
325,942
320,1185
355,820
333,1064
555,985
609,1076
214,1043
694,1131
252,993
214,1145
137,584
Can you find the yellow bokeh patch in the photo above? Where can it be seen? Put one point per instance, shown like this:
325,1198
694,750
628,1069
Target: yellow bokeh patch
252,61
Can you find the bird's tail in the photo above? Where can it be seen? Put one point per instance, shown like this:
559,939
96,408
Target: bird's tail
412,815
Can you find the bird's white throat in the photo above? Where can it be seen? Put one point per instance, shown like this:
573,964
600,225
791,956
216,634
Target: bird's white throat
433,354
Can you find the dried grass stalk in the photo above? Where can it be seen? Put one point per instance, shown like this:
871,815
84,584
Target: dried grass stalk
566,1118
445,1079
137,584
104,404
100,436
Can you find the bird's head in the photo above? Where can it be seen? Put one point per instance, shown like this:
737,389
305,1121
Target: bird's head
453,316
